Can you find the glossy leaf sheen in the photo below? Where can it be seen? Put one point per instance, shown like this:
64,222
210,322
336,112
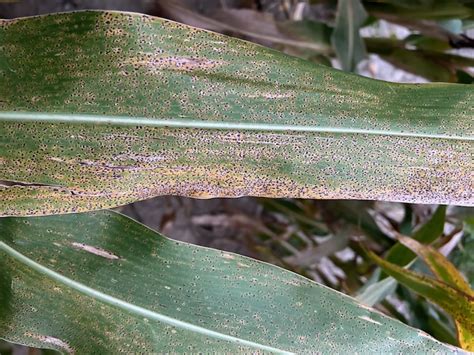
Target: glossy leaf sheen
99,109
102,283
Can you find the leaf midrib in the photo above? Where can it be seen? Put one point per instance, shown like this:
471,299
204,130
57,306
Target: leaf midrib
202,124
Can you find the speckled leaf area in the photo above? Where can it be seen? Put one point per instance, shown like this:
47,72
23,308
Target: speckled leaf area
86,168
214,290
276,125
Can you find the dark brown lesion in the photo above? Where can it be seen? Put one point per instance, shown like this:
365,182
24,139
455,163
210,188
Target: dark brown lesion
10,183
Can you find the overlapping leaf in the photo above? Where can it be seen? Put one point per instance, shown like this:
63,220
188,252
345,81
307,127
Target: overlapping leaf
450,291
426,234
447,272
375,291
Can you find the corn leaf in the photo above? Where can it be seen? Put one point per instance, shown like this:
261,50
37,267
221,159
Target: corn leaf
447,272
377,291
463,258
346,39
99,109
103,283
401,255
441,267
455,301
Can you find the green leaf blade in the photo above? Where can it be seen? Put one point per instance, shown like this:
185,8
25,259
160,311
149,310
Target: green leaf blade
117,259
455,301
346,39
426,234
99,109
446,272
441,267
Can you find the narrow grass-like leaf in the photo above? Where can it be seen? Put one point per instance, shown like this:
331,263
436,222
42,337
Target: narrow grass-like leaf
426,234
378,291
99,109
447,272
346,39
401,255
458,303
103,283
375,291
441,267
463,258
